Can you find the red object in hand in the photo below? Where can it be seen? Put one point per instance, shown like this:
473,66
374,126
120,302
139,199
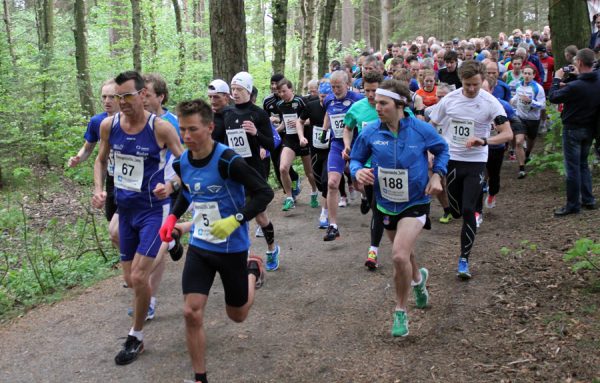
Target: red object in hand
166,230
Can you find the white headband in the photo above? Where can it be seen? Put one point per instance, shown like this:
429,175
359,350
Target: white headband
389,93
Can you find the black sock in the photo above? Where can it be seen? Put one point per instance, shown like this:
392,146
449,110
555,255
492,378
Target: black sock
527,154
253,269
269,233
200,377
447,210
521,168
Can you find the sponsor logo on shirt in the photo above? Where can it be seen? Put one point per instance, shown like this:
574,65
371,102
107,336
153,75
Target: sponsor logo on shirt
214,188
379,142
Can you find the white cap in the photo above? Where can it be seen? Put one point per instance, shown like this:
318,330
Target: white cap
243,79
218,86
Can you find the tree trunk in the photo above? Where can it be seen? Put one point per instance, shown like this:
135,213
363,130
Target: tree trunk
180,37
118,33
471,18
186,15
365,24
386,7
347,23
570,25
45,29
153,33
228,38
324,28
81,59
308,57
11,48
280,12
258,20
500,15
136,25
484,17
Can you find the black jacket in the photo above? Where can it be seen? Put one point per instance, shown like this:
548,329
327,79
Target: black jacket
581,99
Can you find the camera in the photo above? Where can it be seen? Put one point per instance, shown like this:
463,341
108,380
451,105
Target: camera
568,69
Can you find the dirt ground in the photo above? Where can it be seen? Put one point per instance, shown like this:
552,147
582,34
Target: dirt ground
324,318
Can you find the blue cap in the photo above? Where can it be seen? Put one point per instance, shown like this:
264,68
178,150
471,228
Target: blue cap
325,88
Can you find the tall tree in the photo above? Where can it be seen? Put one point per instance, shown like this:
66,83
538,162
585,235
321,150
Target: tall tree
485,15
386,7
118,32
81,59
136,25
228,38
364,24
472,18
45,28
11,48
348,22
308,13
180,37
500,14
324,28
570,25
151,23
280,13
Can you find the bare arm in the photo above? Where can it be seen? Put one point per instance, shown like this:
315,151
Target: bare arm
166,135
100,165
300,129
83,154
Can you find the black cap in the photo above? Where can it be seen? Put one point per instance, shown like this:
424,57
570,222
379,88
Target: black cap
540,48
277,77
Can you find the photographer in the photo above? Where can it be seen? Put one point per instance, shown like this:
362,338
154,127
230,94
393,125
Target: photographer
581,99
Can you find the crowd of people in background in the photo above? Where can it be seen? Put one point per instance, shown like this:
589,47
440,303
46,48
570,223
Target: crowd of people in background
387,131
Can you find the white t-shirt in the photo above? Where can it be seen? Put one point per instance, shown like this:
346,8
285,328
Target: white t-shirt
459,118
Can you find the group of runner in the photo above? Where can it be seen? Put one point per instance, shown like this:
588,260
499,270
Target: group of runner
427,119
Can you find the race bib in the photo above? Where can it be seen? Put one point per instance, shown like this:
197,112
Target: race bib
111,163
393,184
461,131
238,141
206,213
128,172
290,123
316,137
337,124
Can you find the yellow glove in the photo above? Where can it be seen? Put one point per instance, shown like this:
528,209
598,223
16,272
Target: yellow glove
224,227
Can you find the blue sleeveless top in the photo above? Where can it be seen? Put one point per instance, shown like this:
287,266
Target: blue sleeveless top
138,166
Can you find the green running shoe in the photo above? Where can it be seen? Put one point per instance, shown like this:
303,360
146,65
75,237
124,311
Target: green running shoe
420,290
446,218
314,201
288,204
400,326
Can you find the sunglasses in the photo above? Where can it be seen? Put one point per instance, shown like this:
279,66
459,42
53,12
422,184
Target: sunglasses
127,97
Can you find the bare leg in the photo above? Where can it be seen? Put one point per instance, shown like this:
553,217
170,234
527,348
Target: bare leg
333,184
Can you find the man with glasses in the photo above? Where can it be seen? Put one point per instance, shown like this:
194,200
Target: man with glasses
138,140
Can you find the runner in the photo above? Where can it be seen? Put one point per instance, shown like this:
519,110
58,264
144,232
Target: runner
314,113
449,74
398,145
529,100
217,181
336,106
92,136
360,115
248,129
464,117
290,107
219,96
429,90
137,139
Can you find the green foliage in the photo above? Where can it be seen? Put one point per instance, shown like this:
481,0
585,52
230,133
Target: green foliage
552,156
585,254
38,262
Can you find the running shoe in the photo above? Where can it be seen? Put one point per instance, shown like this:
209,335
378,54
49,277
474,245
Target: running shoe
343,202
332,234
296,189
314,201
490,201
420,290
485,187
365,206
478,219
400,326
288,204
463,269
132,348
446,218
323,221
149,315
512,156
256,263
522,174
272,259
177,251
353,193
259,233
371,261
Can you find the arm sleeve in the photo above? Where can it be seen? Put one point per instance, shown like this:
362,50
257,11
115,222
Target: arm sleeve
559,95
183,198
264,133
361,152
259,191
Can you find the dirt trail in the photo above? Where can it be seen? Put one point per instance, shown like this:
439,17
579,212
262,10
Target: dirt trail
323,318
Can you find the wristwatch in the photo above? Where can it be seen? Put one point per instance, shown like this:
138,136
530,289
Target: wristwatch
239,217
175,185
484,141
